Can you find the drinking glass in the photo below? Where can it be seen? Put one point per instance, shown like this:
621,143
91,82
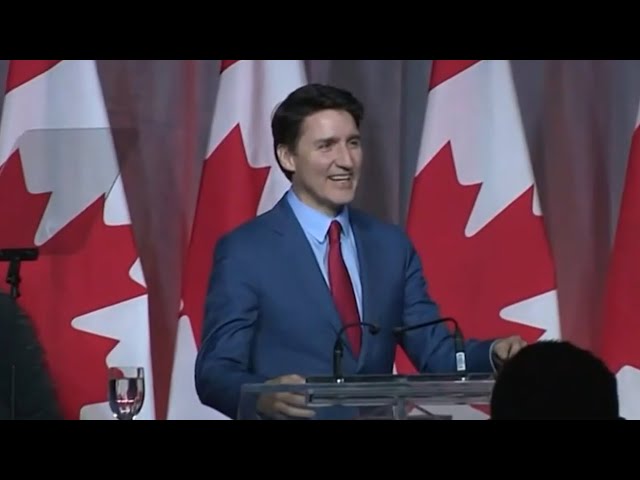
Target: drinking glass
126,391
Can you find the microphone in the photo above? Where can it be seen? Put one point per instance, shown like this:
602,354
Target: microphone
458,339
338,347
14,256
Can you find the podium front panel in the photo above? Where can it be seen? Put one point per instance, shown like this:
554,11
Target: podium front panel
385,397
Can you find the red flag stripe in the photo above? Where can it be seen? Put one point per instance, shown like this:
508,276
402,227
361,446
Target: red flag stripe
23,71
622,301
443,70
225,64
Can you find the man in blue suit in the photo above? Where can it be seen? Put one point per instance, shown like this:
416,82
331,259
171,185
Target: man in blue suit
285,283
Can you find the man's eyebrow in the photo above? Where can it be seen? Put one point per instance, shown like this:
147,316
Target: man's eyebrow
326,140
331,140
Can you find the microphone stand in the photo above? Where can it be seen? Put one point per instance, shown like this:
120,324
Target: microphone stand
14,256
12,399
13,278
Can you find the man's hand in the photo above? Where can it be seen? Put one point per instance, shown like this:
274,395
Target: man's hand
506,348
284,404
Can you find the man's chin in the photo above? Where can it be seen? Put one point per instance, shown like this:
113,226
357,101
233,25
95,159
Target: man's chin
342,199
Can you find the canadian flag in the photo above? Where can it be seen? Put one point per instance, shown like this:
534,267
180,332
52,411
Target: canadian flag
61,191
474,215
621,329
240,179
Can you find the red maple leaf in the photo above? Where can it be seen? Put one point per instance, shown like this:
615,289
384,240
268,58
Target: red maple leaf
83,268
473,279
229,196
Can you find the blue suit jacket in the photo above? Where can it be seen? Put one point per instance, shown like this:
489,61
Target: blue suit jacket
269,311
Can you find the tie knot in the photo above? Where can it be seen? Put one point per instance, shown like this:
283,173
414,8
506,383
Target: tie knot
334,232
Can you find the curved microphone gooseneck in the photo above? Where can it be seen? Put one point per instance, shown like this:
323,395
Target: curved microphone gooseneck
338,347
461,358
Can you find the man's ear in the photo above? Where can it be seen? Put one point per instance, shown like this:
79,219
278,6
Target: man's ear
285,157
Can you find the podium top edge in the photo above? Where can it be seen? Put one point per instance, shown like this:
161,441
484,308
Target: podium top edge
372,382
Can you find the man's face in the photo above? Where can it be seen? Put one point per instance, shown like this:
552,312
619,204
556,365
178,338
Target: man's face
327,160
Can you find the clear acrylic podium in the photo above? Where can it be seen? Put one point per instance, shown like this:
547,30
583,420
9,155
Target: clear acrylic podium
384,397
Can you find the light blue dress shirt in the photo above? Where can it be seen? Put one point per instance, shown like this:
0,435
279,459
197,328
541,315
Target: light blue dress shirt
316,228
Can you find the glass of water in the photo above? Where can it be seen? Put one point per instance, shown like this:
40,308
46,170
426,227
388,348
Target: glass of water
126,391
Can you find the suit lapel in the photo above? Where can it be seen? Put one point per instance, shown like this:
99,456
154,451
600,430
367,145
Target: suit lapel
369,271
302,262
304,267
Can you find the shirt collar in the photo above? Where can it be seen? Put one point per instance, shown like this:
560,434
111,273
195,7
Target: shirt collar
315,222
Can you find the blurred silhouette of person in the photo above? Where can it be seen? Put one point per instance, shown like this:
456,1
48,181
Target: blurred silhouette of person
555,380
26,389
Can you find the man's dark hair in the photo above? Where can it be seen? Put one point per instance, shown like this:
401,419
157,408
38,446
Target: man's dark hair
287,120
555,380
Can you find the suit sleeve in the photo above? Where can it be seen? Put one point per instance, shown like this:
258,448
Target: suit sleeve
223,363
431,349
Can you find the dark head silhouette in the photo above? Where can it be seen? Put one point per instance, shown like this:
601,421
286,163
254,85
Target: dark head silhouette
556,381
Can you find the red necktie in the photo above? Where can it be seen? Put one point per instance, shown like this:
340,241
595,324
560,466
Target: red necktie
342,289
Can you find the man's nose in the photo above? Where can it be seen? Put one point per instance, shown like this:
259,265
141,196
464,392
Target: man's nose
344,157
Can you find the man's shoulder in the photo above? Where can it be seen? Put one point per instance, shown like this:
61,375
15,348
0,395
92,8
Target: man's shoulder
245,234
